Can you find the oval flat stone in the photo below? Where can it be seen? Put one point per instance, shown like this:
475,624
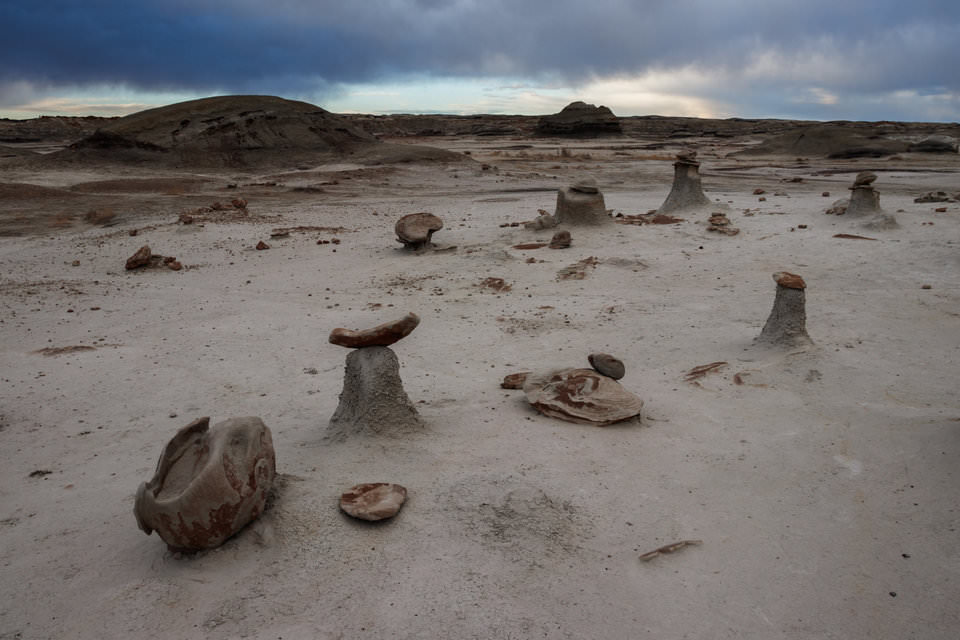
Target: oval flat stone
373,500
607,365
380,336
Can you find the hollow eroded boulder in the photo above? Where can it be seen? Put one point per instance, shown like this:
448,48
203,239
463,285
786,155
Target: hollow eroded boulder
209,483
581,395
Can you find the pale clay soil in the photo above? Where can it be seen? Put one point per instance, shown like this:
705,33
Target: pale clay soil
824,487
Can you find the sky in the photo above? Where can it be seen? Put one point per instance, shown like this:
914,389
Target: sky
799,59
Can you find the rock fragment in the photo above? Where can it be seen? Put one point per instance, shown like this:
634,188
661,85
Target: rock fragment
514,380
720,223
582,396
373,500
561,240
381,335
262,246
606,364
140,258
209,483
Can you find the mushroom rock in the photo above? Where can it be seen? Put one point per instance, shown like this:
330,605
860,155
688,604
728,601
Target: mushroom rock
787,324
209,483
581,395
577,207
415,230
373,401
382,335
373,500
139,259
561,240
580,119
606,364
686,191
865,202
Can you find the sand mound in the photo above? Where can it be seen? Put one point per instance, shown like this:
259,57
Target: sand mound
832,141
229,131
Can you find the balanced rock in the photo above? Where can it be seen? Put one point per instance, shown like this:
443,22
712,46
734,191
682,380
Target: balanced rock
606,364
415,230
686,191
373,500
381,335
580,119
373,401
865,203
786,327
139,259
581,395
580,208
864,178
209,483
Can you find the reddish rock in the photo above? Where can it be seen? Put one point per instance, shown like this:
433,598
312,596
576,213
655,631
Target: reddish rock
262,245
185,218
825,194
758,192
789,280
239,203
373,500
381,335
581,395
529,246
514,380
209,483
174,265
139,259
561,240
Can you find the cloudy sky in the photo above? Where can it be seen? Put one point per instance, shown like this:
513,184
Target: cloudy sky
812,59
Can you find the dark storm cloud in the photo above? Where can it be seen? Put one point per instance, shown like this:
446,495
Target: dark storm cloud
290,46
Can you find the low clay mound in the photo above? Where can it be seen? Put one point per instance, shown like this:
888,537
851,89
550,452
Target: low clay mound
24,191
580,119
186,184
234,131
14,152
832,141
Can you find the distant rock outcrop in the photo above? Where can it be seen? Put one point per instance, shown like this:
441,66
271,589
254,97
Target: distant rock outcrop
832,141
580,119
237,131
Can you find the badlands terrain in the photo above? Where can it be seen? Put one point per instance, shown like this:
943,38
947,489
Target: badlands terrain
823,482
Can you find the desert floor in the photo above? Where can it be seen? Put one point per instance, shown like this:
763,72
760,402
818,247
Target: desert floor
823,481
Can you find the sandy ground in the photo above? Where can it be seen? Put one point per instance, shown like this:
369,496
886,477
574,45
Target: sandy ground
824,488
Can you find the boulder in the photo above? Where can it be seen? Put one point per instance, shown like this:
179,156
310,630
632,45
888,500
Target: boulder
373,500
580,119
381,335
581,395
209,483
415,230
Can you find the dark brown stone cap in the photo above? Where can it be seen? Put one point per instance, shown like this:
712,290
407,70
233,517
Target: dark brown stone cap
789,280
382,335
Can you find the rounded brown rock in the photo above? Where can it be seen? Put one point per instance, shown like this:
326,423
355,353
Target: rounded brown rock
789,280
380,336
415,230
373,500
606,364
581,395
